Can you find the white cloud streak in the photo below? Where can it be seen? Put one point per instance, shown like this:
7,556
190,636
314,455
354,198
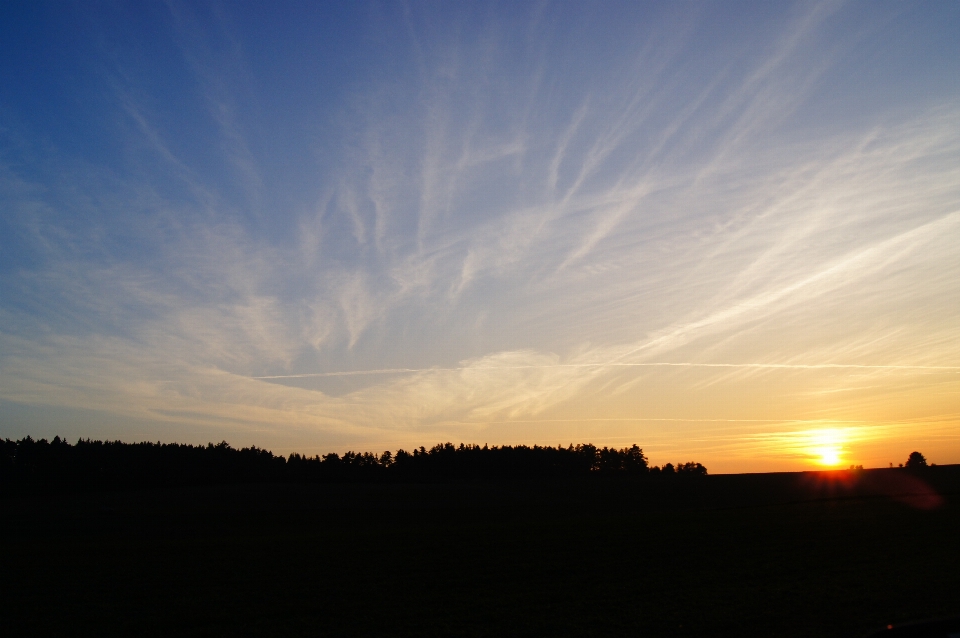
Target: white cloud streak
763,366
499,242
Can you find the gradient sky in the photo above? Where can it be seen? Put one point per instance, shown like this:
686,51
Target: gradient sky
727,232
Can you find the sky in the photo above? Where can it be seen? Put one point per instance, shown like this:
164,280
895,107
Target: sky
727,232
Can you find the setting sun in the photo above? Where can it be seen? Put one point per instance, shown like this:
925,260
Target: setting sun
826,447
829,456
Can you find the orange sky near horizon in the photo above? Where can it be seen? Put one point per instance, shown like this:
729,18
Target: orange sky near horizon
727,233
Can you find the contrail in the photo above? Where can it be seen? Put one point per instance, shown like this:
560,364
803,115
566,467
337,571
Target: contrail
352,373
774,366
823,421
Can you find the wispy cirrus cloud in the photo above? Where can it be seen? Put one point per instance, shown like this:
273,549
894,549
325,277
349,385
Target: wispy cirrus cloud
511,224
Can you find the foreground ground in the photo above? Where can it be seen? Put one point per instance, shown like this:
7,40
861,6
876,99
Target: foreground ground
775,555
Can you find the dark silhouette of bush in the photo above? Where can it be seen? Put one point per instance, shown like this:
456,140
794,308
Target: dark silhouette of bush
916,460
692,469
136,465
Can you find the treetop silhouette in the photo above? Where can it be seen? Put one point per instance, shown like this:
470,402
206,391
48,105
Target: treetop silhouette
118,464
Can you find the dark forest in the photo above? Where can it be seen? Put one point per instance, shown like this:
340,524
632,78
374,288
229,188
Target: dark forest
114,463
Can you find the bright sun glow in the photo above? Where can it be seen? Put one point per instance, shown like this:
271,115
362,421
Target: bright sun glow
827,447
829,456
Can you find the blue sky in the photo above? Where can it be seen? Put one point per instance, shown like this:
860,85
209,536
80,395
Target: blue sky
723,231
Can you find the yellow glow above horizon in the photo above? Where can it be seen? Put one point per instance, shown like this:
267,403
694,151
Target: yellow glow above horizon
827,447
829,456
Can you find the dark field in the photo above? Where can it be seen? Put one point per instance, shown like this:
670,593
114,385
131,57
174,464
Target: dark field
739,555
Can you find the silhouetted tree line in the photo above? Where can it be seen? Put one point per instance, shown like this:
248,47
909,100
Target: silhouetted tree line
117,464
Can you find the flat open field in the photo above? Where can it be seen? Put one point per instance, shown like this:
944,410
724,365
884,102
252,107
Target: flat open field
773,555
